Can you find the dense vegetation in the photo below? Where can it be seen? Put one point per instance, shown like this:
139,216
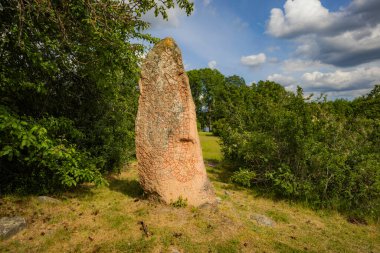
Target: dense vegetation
68,97
326,153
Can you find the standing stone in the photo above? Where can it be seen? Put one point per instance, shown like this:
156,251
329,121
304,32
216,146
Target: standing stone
168,150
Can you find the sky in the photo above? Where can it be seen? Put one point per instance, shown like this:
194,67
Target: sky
324,46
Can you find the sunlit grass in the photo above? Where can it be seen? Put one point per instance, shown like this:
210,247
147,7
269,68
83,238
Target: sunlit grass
107,219
210,147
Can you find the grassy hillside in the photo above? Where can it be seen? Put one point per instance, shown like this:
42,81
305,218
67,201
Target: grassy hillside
109,219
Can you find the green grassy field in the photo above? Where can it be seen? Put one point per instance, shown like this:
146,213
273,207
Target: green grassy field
108,219
210,147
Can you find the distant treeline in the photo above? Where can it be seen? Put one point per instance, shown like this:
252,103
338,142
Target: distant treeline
326,153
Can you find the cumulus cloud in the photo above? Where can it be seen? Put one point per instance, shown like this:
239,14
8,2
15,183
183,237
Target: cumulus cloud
335,84
350,48
282,79
347,37
253,60
212,64
299,65
339,80
299,16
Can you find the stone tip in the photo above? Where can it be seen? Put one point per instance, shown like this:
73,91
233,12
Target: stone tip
168,42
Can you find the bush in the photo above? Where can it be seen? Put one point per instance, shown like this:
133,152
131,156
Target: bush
31,161
324,153
243,177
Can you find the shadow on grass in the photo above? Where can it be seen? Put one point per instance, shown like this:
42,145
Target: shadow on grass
80,192
83,191
219,170
127,187
222,171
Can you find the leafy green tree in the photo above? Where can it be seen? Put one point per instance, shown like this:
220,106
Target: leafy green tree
205,86
369,105
235,80
68,76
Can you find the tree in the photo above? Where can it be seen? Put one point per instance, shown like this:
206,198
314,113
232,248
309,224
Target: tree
205,86
68,75
369,104
235,80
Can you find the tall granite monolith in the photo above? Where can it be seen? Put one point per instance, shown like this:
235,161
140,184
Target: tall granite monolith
168,150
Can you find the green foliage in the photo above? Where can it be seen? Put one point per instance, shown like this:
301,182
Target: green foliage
324,153
70,68
243,177
42,163
179,203
205,85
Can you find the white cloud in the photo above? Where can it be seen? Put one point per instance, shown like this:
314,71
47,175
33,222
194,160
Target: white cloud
282,79
253,60
299,65
212,64
298,16
360,78
335,84
347,37
351,47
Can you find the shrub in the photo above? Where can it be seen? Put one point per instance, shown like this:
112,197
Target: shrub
31,161
243,177
324,153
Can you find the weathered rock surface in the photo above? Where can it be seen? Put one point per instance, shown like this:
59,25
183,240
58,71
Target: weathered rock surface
10,226
263,220
46,199
169,155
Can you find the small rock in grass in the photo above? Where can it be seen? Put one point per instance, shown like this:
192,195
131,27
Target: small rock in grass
263,220
46,199
174,250
10,226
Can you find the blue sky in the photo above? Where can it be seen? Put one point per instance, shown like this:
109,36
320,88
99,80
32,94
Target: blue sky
323,46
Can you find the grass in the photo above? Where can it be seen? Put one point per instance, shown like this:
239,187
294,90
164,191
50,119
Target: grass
210,147
108,219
